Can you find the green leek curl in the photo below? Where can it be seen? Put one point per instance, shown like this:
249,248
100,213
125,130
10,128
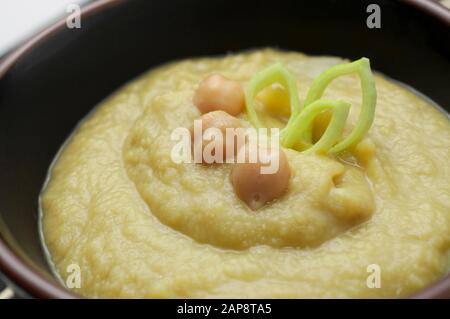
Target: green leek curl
305,120
275,73
299,126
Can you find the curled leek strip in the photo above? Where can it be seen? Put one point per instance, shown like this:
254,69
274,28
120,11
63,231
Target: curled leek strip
369,99
275,73
305,119
300,124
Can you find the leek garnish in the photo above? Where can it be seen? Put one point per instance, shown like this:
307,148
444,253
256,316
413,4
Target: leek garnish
275,73
304,120
298,129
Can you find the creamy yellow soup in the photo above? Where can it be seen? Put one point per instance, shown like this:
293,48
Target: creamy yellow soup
371,222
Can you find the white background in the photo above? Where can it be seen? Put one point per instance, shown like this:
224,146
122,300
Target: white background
19,19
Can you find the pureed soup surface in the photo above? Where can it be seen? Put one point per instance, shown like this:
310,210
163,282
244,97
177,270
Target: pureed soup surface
139,225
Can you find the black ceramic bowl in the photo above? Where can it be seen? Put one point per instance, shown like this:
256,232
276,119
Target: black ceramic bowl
48,84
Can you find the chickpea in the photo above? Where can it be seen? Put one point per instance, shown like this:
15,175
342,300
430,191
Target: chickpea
221,120
255,188
216,92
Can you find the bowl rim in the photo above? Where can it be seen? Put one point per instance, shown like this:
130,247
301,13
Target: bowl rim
37,284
